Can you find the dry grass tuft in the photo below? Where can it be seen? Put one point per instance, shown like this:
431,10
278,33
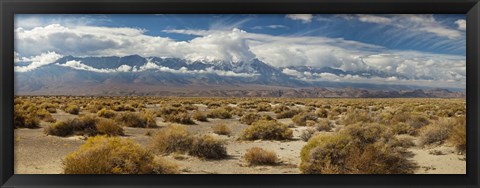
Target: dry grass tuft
259,156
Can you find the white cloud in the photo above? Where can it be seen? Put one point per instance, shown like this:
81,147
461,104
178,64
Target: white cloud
270,27
37,61
461,24
423,23
78,65
305,18
235,45
374,19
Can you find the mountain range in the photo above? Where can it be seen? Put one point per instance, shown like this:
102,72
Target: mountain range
136,75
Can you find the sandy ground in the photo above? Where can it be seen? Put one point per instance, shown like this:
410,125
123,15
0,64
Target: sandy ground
36,153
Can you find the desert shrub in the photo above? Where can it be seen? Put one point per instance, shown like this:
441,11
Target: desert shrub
221,129
301,119
321,112
21,119
109,127
61,128
199,116
122,107
167,110
44,115
111,155
106,113
174,138
280,108
93,108
369,132
307,134
72,109
182,118
130,119
342,154
357,116
259,156
404,142
220,113
267,130
402,128
323,125
287,114
249,118
149,117
414,120
458,136
263,107
85,125
208,147
436,132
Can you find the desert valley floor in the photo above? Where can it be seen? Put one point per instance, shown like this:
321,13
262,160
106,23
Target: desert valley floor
37,152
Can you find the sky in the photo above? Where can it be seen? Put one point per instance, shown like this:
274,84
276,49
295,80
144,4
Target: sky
424,49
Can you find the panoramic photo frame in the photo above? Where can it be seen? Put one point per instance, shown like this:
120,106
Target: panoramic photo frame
222,93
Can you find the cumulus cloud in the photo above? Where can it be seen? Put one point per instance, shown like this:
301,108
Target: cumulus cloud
37,61
234,45
461,24
305,18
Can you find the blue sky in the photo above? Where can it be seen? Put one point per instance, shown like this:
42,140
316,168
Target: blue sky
349,27
424,48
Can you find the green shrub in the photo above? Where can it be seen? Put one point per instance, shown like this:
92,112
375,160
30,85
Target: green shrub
208,147
259,156
267,130
249,118
221,129
174,138
110,155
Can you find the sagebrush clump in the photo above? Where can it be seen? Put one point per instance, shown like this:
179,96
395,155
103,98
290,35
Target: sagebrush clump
111,155
221,129
359,149
258,156
267,130
207,147
249,118
220,113
174,138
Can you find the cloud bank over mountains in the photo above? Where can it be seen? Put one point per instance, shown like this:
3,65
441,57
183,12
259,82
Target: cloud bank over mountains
43,45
